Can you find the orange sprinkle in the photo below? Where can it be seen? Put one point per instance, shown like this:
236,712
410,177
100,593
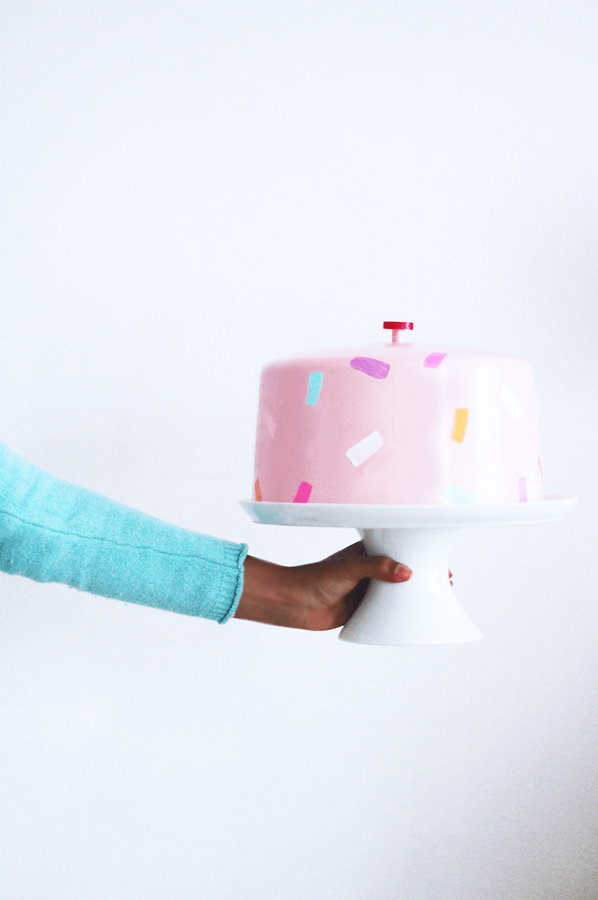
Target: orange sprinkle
540,464
258,492
459,425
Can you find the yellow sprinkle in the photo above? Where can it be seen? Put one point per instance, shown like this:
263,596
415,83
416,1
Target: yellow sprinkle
459,425
258,493
540,464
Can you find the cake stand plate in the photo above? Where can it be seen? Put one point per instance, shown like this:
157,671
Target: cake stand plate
423,610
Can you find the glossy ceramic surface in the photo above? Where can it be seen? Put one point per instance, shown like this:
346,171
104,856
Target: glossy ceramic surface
398,423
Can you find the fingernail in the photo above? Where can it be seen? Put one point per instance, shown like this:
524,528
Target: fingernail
401,572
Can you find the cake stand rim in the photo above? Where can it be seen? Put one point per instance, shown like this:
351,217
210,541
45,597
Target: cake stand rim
348,515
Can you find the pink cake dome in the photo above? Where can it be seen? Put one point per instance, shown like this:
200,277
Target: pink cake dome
398,423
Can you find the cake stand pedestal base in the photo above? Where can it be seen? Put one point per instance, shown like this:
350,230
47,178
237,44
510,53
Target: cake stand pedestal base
423,610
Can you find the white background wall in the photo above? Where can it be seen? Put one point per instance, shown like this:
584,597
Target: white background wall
189,190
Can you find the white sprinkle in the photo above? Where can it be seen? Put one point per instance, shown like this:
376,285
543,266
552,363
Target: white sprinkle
510,401
365,448
270,423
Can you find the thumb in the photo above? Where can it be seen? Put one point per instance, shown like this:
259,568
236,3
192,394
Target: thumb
398,571
350,577
384,569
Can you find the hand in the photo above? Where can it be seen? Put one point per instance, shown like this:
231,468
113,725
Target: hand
318,596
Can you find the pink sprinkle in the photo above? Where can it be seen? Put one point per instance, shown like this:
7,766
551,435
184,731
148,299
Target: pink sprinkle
302,495
522,490
433,360
374,367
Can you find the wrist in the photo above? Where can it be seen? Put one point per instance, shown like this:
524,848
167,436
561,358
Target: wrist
267,594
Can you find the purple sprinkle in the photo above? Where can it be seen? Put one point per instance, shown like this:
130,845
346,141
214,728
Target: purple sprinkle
374,367
433,360
522,490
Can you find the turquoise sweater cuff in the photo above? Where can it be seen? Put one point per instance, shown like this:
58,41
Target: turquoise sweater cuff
54,531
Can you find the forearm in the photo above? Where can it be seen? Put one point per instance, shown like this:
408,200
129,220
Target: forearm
51,530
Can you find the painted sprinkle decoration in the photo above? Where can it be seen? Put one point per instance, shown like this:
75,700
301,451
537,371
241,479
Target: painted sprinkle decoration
374,367
314,387
433,360
361,451
303,492
459,425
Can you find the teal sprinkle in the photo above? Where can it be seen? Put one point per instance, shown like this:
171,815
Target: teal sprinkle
458,495
313,390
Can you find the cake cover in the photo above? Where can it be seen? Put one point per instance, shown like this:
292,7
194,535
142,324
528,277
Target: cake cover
398,422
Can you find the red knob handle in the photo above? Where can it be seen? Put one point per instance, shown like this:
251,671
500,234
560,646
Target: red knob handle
399,326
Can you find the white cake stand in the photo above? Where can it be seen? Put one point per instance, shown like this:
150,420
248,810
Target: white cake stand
423,610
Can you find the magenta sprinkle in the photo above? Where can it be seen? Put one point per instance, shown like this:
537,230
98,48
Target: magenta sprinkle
374,367
433,360
302,495
522,490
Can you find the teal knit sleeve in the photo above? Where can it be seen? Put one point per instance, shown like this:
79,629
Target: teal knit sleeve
51,530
